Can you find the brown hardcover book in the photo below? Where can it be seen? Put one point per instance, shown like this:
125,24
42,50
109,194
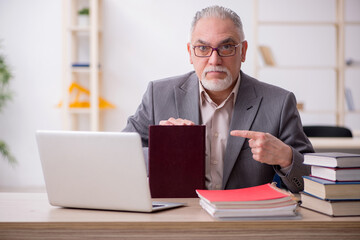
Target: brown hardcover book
331,207
176,161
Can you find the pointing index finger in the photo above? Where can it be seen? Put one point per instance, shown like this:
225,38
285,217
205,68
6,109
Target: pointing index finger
245,134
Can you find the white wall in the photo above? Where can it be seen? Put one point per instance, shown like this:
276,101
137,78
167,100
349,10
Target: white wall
143,40
148,43
31,34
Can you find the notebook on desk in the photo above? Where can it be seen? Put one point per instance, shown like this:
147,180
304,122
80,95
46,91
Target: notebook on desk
176,160
96,170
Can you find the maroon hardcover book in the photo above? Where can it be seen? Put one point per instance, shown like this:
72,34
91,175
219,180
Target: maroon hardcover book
176,161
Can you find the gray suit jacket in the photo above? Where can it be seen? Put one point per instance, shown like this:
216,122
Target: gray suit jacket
258,107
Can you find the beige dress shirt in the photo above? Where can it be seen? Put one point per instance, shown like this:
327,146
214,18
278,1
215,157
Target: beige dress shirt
217,120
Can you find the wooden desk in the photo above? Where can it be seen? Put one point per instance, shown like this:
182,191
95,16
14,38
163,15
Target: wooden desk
351,145
29,216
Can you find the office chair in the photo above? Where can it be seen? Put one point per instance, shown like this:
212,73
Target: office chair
327,131
277,180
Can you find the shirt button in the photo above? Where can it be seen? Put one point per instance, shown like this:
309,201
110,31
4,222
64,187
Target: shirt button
216,134
214,162
217,186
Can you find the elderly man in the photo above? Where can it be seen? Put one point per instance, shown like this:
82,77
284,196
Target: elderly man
253,129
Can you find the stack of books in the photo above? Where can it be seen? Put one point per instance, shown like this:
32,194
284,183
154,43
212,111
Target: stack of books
334,185
264,201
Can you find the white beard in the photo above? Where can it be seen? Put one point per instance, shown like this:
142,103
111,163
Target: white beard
216,84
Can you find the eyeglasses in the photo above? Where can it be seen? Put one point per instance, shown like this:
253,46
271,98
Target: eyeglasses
226,50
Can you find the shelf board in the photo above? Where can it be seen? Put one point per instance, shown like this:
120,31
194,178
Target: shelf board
307,67
352,67
318,111
83,110
352,112
298,67
300,23
352,22
81,29
316,23
335,143
81,70
79,110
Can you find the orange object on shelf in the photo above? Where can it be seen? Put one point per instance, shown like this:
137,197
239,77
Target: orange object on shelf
81,92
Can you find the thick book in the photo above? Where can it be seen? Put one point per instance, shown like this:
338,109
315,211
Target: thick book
336,174
332,159
176,161
334,208
259,201
252,205
326,189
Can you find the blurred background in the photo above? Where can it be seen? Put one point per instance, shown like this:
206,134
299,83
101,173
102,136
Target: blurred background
308,47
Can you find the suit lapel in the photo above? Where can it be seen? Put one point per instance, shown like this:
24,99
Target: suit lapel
245,110
187,99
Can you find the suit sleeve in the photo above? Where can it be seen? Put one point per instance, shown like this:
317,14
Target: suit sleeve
291,133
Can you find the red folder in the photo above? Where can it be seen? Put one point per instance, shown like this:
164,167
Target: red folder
176,161
265,193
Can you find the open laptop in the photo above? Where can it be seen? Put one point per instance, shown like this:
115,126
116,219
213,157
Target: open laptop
96,170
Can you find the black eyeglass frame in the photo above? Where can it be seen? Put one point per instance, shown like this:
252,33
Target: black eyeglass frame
215,49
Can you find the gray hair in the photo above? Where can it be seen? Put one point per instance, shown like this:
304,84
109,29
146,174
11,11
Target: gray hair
219,12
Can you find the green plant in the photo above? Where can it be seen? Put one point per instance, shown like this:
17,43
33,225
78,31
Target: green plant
5,95
5,152
84,11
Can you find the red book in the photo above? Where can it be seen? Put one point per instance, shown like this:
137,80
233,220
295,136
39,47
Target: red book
261,194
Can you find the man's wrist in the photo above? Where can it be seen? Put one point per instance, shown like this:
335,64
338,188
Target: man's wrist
287,157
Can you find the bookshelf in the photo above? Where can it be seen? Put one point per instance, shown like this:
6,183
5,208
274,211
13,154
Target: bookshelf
312,46
81,65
